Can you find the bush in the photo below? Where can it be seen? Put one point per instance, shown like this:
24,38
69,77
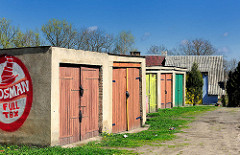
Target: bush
194,86
233,87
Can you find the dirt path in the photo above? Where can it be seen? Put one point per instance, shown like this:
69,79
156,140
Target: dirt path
213,133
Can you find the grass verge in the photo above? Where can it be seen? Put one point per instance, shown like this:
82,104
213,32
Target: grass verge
85,150
160,123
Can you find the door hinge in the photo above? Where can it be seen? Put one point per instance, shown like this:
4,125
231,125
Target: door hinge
113,81
113,124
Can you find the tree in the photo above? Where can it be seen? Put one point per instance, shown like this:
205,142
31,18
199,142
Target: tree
154,49
157,50
194,85
94,40
229,65
197,47
59,33
124,42
233,87
28,39
7,33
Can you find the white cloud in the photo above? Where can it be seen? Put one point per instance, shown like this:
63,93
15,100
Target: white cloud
225,34
183,42
145,36
92,28
224,50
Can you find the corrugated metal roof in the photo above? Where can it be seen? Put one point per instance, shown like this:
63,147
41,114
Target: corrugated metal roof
155,61
213,65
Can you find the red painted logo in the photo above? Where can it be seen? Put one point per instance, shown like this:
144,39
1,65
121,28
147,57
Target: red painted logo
15,93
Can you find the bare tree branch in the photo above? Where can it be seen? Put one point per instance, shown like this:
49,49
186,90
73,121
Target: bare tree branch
197,47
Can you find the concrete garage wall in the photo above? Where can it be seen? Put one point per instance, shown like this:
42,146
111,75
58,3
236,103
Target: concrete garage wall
115,58
171,70
62,55
36,129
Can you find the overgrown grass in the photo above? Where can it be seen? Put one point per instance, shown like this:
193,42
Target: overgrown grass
160,123
85,150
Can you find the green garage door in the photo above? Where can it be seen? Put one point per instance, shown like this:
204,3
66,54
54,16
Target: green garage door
179,90
151,88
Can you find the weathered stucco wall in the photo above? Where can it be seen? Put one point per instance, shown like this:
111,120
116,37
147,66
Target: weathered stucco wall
36,129
62,55
113,58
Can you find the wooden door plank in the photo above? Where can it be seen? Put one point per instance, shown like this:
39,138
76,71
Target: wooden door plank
69,126
89,102
153,90
119,120
163,88
168,90
134,98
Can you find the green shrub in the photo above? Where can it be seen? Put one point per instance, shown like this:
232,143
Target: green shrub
194,86
233,87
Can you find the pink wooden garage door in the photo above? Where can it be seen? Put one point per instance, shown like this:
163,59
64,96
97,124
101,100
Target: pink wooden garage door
125,79
78,103
166,91
119,106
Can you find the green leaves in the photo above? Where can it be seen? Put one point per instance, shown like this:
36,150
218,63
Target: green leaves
7,33
233,87
11,37
194,85
124,42
59,33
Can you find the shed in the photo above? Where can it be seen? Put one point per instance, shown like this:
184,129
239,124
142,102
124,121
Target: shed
212,71
165,86
74,94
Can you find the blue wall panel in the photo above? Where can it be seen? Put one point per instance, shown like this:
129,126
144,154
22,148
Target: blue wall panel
206,98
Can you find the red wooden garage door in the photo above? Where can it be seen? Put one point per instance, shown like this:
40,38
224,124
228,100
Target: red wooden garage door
125,117
134,98
78,103
166,91
119,106
69,105
89,102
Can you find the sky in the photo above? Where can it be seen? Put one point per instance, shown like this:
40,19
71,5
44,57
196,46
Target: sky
152,22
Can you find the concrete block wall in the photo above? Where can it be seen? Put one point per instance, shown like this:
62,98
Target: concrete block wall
36,129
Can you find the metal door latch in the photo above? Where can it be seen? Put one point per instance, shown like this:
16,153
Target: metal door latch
127,94
81,90
80,116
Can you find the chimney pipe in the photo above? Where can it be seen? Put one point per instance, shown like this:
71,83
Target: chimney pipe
135,53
